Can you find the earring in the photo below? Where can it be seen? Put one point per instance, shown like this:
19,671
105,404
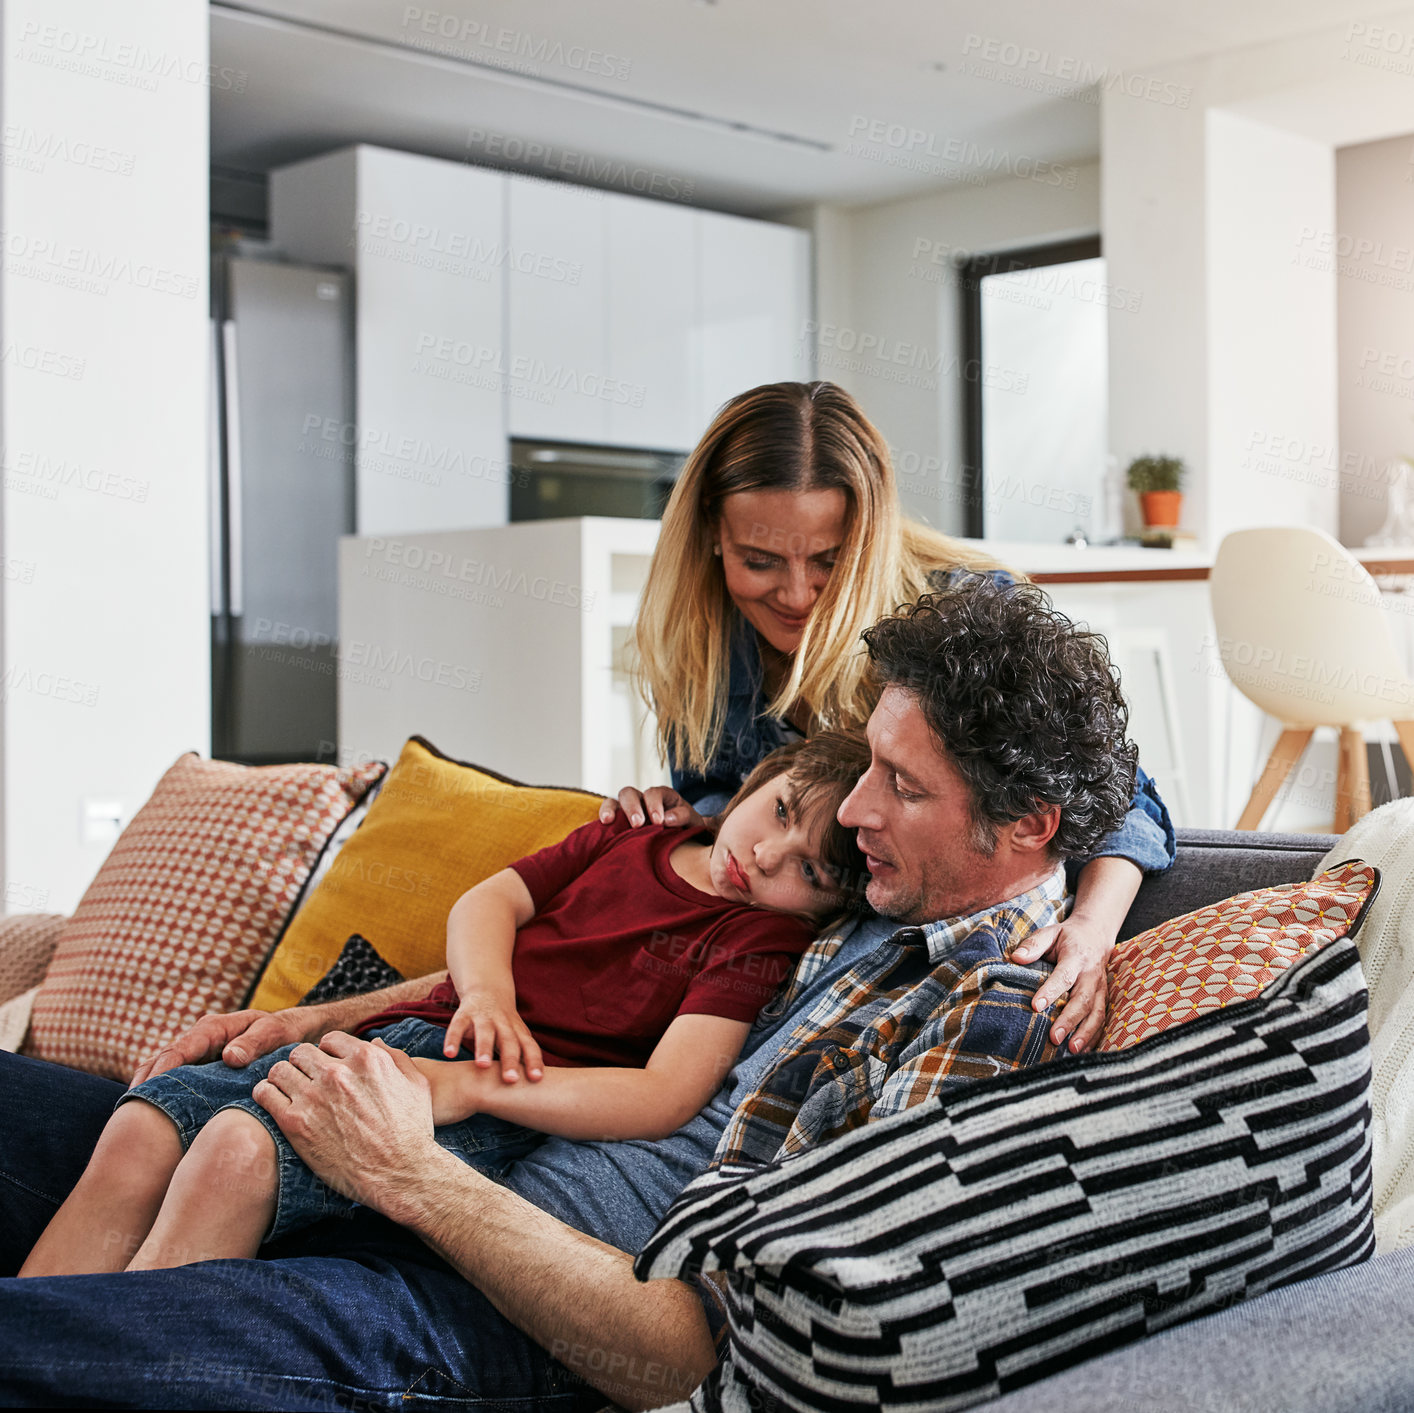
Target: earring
717,550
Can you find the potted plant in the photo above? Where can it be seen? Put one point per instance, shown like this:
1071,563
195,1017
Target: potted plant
1159,482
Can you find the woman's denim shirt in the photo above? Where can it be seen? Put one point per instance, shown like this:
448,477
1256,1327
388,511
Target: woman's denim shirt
1145,835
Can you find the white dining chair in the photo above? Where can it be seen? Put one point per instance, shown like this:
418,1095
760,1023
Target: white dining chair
1302,633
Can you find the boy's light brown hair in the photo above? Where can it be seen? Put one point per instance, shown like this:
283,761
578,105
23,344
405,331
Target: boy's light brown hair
821,771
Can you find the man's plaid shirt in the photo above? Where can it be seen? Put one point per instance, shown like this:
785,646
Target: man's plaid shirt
929,1009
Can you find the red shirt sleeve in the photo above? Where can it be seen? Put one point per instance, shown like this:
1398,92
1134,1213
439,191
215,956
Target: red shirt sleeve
547,871
748,956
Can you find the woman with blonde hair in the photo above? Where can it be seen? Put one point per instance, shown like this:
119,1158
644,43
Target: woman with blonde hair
783,540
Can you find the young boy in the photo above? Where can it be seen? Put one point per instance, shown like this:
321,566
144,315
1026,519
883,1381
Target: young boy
618,970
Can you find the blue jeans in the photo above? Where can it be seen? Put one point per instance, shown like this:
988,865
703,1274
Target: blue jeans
355,1313
192,1095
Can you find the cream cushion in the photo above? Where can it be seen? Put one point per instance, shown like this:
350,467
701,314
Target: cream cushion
1385,837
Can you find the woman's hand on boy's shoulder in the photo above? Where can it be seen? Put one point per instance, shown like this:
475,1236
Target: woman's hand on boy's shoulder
658,804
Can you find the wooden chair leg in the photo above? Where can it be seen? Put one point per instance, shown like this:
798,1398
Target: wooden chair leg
1405,731
1352,783
1285,754
1359,776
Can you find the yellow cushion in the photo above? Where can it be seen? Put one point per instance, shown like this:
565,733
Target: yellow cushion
438,827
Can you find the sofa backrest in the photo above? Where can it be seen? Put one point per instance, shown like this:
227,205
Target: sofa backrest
1213,864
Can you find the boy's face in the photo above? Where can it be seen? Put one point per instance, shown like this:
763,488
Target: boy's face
766,855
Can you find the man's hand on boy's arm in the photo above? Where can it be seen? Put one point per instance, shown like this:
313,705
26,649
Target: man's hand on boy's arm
243,1036
685,1070
357,1113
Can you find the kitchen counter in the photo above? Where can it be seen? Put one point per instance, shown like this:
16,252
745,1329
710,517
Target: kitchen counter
1119,564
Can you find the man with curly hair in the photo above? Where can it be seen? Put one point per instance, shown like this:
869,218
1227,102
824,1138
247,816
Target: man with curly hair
997,751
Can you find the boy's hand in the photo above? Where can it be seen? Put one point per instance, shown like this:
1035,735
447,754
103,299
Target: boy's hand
495,1027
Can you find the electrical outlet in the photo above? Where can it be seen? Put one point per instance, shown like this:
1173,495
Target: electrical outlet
102,821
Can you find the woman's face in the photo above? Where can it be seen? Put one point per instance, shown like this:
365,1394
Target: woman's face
778,548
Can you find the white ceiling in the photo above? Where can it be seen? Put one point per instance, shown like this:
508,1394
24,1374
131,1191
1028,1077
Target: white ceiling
749,105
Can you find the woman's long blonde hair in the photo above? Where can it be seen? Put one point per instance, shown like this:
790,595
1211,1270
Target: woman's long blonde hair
783,436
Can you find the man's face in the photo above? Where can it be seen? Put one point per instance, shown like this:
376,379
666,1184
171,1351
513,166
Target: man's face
912,811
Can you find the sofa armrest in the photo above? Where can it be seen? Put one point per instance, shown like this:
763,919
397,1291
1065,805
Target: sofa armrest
27,943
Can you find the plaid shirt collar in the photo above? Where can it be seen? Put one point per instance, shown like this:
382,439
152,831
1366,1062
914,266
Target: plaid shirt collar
1017,916
1012,920
899,1027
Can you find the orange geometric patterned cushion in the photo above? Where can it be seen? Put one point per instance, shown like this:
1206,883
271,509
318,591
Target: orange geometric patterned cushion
185,907
1227,951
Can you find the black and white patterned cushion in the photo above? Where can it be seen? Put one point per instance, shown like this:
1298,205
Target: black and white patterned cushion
945,1255
357,970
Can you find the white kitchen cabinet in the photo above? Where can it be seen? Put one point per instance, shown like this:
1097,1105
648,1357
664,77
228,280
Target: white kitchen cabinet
666,313
423,238
753,305
558,298
652,313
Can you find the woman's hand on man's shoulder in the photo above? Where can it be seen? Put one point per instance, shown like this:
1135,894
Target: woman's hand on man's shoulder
658,804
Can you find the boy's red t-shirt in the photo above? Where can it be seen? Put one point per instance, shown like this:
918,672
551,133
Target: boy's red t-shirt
620,946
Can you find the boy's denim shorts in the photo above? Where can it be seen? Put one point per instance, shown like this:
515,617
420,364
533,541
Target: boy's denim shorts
193,1094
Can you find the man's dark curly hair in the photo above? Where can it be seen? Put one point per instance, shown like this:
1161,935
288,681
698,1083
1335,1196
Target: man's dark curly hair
1026,705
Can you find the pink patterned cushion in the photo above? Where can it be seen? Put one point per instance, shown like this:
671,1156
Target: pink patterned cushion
186,907
1228,951
27,942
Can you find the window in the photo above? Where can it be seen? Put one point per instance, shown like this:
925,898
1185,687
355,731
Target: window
1035,333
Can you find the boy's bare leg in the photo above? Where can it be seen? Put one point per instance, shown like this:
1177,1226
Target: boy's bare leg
221,1199
105,1218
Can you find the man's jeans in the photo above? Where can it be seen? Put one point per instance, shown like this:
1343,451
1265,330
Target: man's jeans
354,1314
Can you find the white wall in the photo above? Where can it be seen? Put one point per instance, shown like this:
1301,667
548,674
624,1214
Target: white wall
892,332
1271,317
1154,210
1375,224
103,396
1220,206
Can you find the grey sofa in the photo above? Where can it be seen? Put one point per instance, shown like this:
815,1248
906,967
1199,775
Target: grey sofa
1340,1343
